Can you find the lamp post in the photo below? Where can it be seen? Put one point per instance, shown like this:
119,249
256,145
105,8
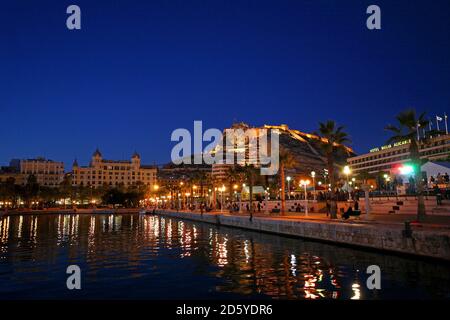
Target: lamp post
387,179
305,183
221,198
235,187
240,203
182,195
266,203
288,178
209,196
313,175
240,198
156,188
347,172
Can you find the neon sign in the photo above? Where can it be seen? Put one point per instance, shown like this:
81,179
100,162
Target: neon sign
388,146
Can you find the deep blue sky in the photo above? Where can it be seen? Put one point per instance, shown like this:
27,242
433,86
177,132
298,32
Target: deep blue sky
139,69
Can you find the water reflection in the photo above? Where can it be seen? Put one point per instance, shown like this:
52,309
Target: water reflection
131,256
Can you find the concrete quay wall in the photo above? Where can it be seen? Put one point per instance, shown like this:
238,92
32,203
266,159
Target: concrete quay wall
425,243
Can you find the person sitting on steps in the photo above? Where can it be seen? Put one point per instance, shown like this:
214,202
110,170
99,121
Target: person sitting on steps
346,215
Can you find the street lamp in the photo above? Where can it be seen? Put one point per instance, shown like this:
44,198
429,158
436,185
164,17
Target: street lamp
221,197
156,188
288,178
325,175
387,178
347,172
305,183
313,175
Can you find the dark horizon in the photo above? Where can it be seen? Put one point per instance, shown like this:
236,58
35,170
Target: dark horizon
137,71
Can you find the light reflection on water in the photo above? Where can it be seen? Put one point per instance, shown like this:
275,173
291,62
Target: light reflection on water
149,257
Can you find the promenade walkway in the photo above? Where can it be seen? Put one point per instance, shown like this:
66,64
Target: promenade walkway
394,220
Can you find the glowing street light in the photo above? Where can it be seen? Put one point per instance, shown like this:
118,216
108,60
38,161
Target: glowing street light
313,175
347,172
222,189
387,179
305,183
288,178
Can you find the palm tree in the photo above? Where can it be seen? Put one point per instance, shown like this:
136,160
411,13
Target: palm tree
234,175
8,191
333,139
31,190
65,188
287,161
249,172
408,123
201,178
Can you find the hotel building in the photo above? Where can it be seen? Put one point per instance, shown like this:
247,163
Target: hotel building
387,158
48,173
113,173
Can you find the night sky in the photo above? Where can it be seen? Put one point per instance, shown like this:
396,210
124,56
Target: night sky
137,70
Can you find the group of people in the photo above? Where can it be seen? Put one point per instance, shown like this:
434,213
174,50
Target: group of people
440,179
352,210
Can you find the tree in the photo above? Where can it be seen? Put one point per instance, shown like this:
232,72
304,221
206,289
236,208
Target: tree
48,195
202,179
114,196
233,176
332,142
66,189
31,190
287,161
8,191
249,172
406,129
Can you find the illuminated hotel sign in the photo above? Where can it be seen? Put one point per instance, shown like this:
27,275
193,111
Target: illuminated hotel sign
388,146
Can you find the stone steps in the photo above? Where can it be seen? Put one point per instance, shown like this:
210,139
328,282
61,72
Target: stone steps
393,206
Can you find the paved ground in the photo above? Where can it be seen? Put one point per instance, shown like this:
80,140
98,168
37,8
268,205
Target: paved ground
432,222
